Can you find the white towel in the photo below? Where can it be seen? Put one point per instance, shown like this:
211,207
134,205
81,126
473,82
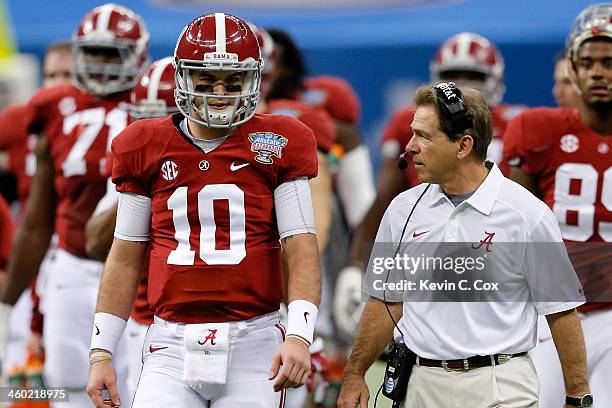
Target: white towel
206,354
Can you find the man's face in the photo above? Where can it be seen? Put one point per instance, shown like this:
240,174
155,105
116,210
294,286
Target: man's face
594,73
221,83
56,68
563,91
433,153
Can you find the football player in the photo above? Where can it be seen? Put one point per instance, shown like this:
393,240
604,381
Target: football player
211,191
316,119
563,156
467,59
152,97
563,91
353,176
19,143
76,124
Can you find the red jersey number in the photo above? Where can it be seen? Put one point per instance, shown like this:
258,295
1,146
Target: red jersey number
583,204
183,254
92,121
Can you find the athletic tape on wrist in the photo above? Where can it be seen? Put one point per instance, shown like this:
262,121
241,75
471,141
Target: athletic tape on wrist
301,319
107,331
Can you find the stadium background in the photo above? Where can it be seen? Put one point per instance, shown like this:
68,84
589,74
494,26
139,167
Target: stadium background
382,47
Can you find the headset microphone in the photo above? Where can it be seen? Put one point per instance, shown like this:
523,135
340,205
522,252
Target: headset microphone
403,161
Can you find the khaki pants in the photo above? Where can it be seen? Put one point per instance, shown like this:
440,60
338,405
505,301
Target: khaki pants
513,384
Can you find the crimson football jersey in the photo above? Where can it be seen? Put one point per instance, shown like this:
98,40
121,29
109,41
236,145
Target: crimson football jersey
333,94
20,145
572,166
7,228
79,128
141,311
399,130
315,118
214,252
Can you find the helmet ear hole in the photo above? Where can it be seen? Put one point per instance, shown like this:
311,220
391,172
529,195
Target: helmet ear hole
225,43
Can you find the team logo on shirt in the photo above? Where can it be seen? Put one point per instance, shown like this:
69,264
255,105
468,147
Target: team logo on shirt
569,143
487,241
169,170
267,145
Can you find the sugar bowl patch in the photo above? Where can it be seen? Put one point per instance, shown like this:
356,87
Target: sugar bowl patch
267,145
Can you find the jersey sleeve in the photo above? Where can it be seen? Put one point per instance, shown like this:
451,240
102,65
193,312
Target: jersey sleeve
322,126
341,100
299,156
527,140
130,168
10,126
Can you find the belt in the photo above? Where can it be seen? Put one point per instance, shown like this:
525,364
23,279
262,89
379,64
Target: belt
470,362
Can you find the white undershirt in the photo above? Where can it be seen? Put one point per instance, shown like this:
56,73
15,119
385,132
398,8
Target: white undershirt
206,145
292,201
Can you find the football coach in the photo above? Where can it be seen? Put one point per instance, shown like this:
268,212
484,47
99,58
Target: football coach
469,353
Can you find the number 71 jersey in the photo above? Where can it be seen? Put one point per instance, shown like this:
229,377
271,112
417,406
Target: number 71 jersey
572,166
214,252
79,128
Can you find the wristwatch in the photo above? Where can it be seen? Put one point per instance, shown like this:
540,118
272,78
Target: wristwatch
586,401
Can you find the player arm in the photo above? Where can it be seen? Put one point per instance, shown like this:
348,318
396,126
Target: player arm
569,341
389,184
99,233
101,226
321,191
120,278
34,235
526,180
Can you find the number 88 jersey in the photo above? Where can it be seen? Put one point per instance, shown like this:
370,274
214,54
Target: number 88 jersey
214,251
78,128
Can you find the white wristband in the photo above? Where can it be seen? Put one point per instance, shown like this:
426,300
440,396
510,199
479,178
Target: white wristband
301,319
107,331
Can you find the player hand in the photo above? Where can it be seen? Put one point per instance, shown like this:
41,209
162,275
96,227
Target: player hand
290,364
102,376
354,392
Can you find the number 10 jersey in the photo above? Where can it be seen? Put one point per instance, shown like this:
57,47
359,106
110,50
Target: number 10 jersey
214,252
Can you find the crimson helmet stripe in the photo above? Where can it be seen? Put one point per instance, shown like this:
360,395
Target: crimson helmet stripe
155,78
102,23
220,32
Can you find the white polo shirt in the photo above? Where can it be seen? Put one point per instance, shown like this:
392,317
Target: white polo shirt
455,330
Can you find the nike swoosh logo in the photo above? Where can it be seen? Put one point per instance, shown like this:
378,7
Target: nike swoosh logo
415,234
234,167
97,330
544,339
306,314
154,349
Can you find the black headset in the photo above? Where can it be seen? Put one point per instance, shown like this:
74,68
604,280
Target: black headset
452,108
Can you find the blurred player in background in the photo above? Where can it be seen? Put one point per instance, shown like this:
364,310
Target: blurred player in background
563,91
213,189
75,124
563,156
25,327
467,59
153,97
322,125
